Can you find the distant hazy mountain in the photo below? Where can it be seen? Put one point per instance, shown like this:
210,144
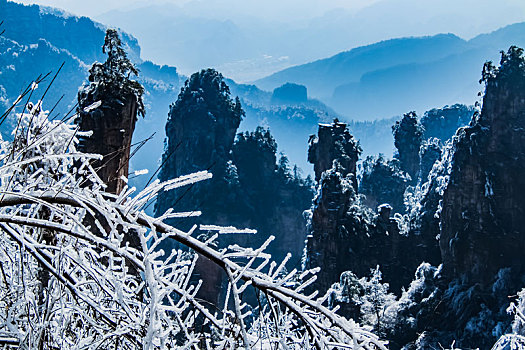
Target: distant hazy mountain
399,75
173,36
322,76
78,35
290,123
37,40
247,40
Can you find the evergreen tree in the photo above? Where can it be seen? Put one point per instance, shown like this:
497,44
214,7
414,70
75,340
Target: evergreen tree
108,106
375,301
111,79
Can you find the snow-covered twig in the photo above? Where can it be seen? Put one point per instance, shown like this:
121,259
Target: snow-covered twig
71,280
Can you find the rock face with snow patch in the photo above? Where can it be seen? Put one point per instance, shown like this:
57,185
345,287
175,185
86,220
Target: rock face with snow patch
481,224
483,215
334,143
346,235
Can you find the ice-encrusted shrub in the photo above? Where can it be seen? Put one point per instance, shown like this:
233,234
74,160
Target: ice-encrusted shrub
69,280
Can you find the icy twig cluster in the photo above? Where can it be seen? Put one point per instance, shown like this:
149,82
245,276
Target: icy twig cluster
70,279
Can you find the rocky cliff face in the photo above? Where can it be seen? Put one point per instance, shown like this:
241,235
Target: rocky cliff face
345,235
250,187
383,182
78,35
476,193
408,136
334,143
200,132
204,116
112,127
272,196
483,215
442,123
429,154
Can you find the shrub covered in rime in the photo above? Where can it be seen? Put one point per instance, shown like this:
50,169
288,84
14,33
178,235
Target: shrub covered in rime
368,298
374,302
65,264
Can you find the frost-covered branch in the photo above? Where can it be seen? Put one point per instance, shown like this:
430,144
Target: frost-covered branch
71,280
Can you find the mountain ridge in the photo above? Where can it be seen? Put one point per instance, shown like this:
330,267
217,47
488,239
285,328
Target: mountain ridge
349,56
323,77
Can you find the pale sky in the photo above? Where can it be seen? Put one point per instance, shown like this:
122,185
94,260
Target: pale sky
273,8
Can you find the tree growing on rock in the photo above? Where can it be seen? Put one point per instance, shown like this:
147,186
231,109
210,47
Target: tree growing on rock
374,301
108,106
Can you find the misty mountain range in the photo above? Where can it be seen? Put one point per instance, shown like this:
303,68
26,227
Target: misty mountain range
247,40
381,80
395,76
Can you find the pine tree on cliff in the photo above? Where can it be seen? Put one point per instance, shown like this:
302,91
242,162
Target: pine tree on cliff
408,135
108,106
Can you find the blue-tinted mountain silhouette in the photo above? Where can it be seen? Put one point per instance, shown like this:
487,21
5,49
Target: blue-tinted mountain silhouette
398,75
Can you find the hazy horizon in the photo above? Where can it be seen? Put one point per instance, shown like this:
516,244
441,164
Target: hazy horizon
249,39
